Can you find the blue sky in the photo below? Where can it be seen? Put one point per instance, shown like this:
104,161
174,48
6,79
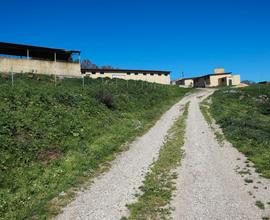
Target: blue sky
182,36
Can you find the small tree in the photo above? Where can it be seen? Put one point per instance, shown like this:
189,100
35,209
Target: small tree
87,64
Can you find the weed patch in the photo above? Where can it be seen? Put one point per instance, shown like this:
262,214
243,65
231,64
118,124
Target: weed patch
248,180
259,204
204,107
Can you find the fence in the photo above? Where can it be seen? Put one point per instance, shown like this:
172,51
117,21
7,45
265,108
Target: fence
12,79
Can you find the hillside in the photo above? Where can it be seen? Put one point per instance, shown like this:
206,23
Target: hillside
55,137
244,116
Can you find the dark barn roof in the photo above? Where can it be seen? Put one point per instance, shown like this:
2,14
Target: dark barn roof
37,52
124,71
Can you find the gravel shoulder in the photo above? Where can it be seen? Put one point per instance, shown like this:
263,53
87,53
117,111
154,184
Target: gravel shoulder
208,185
107,196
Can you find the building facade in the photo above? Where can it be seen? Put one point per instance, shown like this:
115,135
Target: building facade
18,58
153,76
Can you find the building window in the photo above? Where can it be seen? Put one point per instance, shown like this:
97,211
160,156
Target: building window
152,74
93,72
144,74
101,72
136,73
159,74
128,73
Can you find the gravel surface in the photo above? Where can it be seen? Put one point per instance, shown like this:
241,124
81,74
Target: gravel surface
107,196
208,185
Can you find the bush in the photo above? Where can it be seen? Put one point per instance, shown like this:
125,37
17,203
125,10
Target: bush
105,97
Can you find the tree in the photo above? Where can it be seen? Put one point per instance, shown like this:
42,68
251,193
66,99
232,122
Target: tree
107,67
87,64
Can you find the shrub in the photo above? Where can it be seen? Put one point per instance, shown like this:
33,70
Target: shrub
105,97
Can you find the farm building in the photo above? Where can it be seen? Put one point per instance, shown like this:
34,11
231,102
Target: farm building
218,78
154,76
19,58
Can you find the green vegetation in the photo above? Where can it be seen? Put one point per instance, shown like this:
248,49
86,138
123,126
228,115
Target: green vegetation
219,136
259,204
159,182
244,116
204,106
248,180
56,137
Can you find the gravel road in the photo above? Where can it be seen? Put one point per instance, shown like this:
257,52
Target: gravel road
106,198
208,186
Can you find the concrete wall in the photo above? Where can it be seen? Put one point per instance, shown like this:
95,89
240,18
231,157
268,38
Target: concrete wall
189,82
235,80
39,67
219,70
156,78
216,80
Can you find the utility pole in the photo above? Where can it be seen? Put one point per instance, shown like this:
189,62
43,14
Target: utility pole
55,67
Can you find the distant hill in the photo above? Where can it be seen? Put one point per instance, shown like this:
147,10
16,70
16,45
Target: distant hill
248,82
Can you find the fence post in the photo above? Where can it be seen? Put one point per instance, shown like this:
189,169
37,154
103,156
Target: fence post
54,80
83,81
12,77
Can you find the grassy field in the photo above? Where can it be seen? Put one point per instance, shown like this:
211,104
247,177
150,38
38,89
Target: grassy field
159,182
53,138
244,116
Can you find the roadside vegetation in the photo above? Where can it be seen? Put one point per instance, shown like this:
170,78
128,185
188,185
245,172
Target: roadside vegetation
56,136
244,116
204,107
159,184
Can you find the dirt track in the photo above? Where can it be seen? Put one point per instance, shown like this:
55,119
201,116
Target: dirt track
208,186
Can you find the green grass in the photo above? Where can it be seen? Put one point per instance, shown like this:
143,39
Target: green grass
159,182
56,137
244,116
205,109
